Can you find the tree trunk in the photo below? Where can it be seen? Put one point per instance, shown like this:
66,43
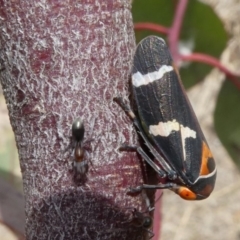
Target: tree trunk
62,60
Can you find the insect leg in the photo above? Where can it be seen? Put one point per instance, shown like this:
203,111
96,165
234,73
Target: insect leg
171,174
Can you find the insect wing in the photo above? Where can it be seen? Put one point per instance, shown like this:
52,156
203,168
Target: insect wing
164,110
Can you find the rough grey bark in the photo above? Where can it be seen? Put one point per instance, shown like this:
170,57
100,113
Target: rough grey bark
62,60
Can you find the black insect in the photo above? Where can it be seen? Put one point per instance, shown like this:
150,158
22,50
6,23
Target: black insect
142,221
167,123
80,163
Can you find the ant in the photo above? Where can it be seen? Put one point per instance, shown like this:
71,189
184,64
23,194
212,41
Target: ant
80,165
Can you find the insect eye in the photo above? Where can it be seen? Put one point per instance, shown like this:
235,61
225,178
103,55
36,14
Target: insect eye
147,222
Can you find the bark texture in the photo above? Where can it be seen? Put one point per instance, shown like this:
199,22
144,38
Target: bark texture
62,60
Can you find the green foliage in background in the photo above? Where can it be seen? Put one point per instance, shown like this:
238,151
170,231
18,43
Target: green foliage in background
201,27
227,119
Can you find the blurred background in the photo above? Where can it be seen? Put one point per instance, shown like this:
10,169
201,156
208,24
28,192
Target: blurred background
211,27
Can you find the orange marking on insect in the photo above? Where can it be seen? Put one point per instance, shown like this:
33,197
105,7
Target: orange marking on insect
206,154
186,193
